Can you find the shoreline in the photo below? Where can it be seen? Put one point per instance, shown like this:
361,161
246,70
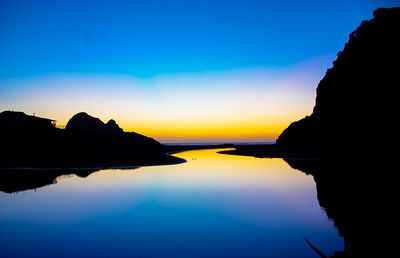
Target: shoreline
22,178
284,152
166,159
268,150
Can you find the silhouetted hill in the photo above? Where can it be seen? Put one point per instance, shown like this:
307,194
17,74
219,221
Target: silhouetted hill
29,141
83,122
356,103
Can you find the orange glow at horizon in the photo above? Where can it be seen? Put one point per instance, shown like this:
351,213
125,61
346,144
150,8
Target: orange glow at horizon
216,127
251,131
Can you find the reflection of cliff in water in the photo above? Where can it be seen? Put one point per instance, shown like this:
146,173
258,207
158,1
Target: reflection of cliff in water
17,180
353,195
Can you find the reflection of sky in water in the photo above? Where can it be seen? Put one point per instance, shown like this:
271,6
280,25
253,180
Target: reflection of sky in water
214,205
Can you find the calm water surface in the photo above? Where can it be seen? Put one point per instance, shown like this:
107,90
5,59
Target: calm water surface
212,206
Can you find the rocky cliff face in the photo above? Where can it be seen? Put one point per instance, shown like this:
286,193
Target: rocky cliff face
356,100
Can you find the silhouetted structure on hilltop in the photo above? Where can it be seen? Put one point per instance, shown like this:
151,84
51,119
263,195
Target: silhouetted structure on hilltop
19,122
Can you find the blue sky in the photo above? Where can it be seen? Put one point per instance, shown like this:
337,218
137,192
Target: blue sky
147,38
174,70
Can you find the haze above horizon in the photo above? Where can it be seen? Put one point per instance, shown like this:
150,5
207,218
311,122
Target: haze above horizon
177,71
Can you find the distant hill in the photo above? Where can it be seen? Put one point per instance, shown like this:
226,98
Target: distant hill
356,103
29,141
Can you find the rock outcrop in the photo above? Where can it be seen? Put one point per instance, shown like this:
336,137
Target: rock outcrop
82,122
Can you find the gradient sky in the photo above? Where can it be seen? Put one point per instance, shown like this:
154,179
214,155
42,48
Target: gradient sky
174,70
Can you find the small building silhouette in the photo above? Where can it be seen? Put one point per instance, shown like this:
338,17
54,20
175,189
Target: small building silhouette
12,120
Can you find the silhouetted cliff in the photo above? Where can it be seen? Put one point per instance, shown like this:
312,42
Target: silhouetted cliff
356,103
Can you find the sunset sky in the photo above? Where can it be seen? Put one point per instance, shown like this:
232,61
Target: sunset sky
178,71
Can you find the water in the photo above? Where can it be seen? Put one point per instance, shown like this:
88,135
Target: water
212,206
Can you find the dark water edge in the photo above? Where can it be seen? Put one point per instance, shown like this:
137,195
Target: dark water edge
17,179
277,151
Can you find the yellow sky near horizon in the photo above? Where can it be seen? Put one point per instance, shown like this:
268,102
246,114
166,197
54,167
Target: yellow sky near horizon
243,105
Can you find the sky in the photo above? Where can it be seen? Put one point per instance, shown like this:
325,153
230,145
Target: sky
177,71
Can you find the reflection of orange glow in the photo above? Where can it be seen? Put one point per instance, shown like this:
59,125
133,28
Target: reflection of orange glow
247,188
205,168
232,184
236,171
